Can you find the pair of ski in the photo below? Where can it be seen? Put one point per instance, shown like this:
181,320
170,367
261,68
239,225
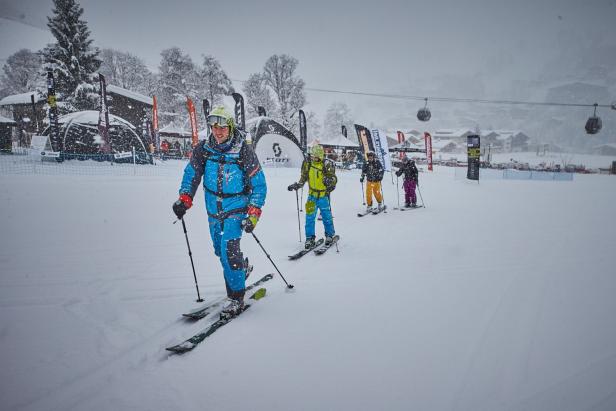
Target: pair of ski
404,208
318,248
375,211
215,305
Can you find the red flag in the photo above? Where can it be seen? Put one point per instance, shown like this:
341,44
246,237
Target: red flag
400,141
428,138
192,113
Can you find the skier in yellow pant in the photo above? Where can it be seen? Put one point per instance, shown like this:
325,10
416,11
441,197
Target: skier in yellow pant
373,170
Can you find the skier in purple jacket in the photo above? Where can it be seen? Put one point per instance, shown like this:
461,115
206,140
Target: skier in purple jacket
411,181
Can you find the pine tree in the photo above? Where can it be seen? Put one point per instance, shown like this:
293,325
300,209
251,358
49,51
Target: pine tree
72,57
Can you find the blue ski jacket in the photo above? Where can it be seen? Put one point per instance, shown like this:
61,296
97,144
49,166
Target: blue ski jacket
232,176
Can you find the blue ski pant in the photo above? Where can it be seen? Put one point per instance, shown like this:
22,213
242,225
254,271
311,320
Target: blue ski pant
312,204
226,235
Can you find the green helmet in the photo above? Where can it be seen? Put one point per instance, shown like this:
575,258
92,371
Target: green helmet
221,116
317,151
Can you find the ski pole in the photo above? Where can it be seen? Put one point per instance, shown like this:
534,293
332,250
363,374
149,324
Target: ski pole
270,258
299,224
301,203
199,299
398,190
363,197
420,196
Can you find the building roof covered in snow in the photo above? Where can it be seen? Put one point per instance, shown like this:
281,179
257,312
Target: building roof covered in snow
91,117
340,141
452,133
111,89
175,130
23,98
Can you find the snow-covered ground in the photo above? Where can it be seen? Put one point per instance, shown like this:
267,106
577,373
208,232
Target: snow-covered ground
498,295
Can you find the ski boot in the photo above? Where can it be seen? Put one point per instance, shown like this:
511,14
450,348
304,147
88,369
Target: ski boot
309,243
329,240
231,308
380,207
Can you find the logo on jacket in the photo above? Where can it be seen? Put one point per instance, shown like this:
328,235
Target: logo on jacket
277,149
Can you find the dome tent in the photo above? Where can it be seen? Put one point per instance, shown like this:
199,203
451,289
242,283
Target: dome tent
79,132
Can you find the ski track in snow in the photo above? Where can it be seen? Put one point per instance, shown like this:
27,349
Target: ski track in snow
479,301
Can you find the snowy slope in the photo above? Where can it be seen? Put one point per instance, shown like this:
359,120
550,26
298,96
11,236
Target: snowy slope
498,295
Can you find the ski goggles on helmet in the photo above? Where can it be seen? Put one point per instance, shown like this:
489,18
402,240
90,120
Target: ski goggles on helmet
217,121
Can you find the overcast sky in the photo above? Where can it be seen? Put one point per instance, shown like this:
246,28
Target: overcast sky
376,46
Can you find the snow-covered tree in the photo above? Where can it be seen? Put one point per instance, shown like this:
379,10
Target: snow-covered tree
337,114
279,74
257,94
214,80
313,126
126,70
72,57
21,72
177,80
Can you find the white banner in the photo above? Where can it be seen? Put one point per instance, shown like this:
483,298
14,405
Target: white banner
379,140
125,154
54,154
279,151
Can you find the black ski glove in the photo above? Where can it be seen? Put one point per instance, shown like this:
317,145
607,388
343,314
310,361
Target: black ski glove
180,206
294,186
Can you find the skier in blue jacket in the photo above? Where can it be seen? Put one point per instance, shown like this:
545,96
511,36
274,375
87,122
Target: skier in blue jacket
235,190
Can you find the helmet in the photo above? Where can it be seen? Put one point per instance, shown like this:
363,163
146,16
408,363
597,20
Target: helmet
221,117
317,151
370,153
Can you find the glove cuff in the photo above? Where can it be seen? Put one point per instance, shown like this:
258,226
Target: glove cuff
254,211
186,199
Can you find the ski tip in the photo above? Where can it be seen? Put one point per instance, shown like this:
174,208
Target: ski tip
260,293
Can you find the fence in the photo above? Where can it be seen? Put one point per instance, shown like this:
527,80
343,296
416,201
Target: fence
26,161
510,174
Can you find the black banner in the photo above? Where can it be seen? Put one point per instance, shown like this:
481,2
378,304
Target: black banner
261,111
54,129
269,126
206,108
103,117
240,119
344,131
473,149
365,139
303,133
34,116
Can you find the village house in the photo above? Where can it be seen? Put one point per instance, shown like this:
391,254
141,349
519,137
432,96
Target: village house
27,110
